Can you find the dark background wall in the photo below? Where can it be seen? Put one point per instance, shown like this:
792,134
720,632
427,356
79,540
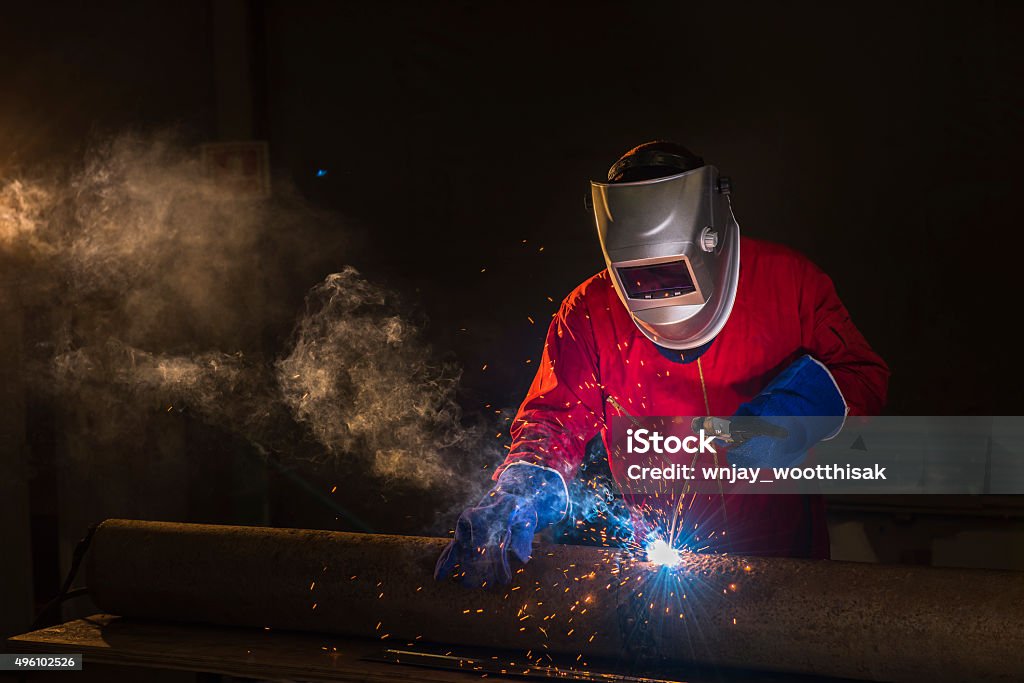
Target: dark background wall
880,139
458,138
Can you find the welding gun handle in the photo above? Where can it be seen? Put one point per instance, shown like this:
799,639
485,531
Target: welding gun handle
738,430
719,426
744,428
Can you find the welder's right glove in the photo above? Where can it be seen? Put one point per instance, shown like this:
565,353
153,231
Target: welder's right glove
526,499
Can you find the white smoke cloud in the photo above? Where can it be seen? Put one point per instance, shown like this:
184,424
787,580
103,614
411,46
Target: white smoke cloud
157,284
363,381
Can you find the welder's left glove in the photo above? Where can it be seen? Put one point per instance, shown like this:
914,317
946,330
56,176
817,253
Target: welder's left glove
805,401
526,499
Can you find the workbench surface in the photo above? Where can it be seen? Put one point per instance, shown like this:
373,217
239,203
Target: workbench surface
264,654
267,654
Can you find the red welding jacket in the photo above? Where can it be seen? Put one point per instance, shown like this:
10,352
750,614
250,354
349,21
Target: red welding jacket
785,307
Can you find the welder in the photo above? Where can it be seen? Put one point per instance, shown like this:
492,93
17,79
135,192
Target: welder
685,319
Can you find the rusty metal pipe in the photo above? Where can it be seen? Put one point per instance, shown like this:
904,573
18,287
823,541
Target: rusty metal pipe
869,622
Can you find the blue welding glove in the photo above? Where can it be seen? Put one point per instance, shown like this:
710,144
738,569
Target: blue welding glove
526,499
805,401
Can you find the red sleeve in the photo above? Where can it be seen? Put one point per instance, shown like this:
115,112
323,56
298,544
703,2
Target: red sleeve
829,335
564,407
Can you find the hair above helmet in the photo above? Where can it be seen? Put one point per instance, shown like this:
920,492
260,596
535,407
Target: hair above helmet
655,159
670,241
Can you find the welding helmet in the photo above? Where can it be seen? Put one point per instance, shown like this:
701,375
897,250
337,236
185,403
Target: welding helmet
671,244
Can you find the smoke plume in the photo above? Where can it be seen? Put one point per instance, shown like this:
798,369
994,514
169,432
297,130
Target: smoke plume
152,285
358,376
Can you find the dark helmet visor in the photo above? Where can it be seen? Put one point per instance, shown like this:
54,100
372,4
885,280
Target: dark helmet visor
659,281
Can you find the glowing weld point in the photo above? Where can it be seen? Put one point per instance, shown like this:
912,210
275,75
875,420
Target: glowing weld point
660,552
321,172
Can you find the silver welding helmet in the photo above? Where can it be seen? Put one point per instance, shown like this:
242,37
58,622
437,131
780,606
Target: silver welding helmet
672,246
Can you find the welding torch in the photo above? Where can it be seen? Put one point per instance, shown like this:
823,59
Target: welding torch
737,430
